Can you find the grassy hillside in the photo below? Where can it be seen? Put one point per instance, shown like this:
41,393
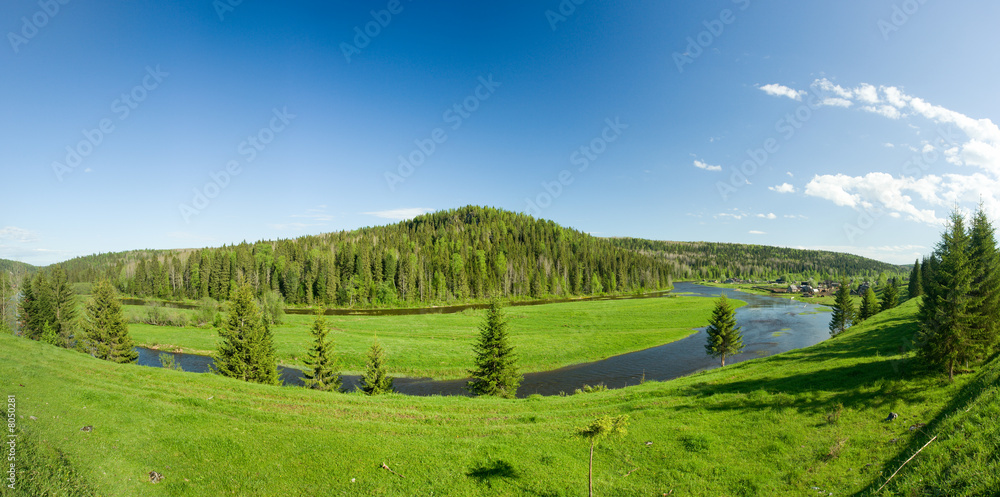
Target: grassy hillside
440,345
785,425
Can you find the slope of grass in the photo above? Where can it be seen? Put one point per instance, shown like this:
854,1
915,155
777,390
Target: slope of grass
440,345
793,424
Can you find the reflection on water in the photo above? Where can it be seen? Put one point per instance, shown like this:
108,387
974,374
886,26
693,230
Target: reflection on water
771,325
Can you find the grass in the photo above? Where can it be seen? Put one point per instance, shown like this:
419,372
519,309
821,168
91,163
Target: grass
783,425
440,345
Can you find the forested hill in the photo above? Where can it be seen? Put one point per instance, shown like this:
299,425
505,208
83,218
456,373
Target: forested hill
6,265
707,260
459,254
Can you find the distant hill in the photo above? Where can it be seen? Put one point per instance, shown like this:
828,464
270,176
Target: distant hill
708,260
470,253
458,254
8,265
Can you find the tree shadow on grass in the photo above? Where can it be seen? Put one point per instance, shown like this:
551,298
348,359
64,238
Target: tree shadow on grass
486,472
490,472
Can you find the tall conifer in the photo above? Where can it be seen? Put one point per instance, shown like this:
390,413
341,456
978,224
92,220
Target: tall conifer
106,327
843,309
321,375
247,348
495,371
724,337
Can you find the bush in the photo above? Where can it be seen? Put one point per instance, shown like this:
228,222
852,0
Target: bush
600,387
272,304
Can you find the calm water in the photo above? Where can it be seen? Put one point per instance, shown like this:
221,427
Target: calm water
771,325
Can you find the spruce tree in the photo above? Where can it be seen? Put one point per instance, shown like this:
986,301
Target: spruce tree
247,348
63,308
914,289
985,287
321,374
495,372
890,296
843,309
376,380
724,337
945,332
869,305
106,327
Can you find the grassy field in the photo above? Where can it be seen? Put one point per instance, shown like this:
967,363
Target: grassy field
799,423
440,345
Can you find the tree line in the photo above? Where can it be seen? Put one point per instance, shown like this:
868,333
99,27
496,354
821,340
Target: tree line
960,288
472,253
709,260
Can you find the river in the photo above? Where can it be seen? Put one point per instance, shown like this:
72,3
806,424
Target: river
771,325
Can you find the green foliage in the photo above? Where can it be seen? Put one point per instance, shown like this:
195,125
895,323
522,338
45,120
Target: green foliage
946,315
376,380
495,372
890,296
708,260
50,336
272,304
984,293
247,348
471,253
869,305
167,361
914,288
843,309
106,329
600,387
723,336
598,429
321,374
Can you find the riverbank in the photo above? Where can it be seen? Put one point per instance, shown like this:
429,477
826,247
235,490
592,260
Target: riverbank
439,346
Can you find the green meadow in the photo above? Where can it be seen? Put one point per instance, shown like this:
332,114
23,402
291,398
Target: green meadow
798,423
546,336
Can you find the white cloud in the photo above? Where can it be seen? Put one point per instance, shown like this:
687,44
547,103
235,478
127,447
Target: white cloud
708,167
888,145
893,254
769,215
979,148
755,232
18,235
400,214
789,173
777,90
782,188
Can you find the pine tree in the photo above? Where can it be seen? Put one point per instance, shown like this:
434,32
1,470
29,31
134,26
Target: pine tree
890,296
724,337
376,380
321,375
869,305
985,287
914,289
843,309
106,327
495,372
63,308
946,320
247,348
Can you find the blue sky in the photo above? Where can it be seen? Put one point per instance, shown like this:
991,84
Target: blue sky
853,126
